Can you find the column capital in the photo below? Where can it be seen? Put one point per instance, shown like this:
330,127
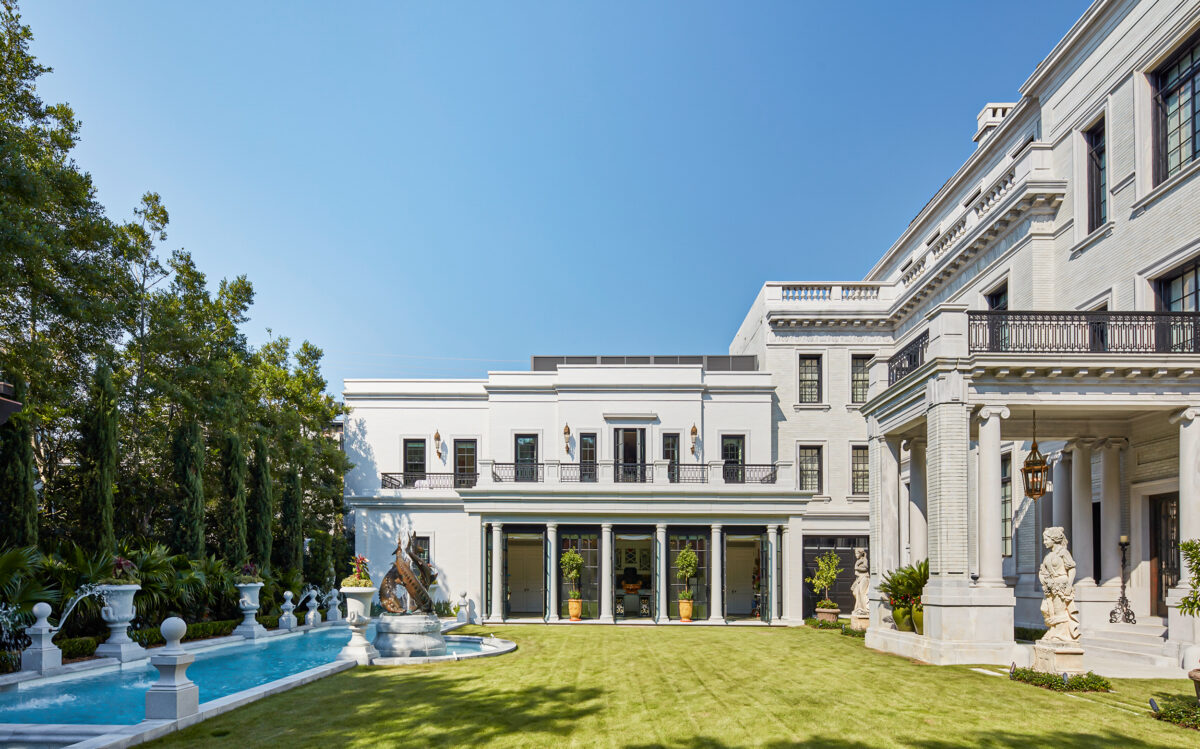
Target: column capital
1189,414
785,528
716,526
552,526
988,412
1058,456
772,529
1080,443
497,526
606,527
914,444
1113,443
660,527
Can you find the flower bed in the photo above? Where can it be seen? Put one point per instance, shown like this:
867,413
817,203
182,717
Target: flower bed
1183,715
1088,682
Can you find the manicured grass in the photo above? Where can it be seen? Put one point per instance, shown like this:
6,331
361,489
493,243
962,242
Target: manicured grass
706,687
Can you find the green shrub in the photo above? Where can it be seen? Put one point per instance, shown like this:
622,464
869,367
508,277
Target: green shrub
1088,682
1187,716
151,637
443,609
851,632
270,622
817,624
10,661
1028,633
828,567
78,647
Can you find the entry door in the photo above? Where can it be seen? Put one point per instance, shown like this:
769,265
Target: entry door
1164,549
630,448
526,454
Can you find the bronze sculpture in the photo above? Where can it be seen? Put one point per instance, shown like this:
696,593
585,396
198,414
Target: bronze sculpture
415,574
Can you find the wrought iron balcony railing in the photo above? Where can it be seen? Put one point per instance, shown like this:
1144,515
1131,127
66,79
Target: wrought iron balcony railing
1084,332
423,480
908,358
749,474
587,472
696,473
531,472
633,473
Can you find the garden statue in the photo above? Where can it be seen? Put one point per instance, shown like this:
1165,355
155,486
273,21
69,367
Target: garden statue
860,589
1058,650
409,629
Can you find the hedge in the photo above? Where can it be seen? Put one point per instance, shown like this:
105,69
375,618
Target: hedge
1088,682
150,636
1187,716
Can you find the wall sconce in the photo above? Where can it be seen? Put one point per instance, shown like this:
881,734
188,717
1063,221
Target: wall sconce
567,438
693,439
437,443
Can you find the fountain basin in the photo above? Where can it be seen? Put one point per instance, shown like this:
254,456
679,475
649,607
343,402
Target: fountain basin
408,636
458,647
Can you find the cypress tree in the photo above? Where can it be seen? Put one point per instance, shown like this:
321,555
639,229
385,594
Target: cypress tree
233,481
290,550
261,507
99,462
18,470
188,459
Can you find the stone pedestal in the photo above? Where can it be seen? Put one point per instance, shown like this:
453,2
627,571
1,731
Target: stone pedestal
117,613
287,620
42,654
358,616
1058,658
313,617
409,636
859,621
248,604
332,612
173,696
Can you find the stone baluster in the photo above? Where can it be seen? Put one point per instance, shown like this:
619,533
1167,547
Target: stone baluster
173,696
42,654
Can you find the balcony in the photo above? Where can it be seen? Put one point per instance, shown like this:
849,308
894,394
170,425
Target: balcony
1084,332
605,473
423,480
908,358
687,474
749,474
518,472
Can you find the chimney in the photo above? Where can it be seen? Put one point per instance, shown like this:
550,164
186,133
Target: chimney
989,119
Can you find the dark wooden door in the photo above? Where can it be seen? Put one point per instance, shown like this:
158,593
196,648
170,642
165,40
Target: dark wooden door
1164,549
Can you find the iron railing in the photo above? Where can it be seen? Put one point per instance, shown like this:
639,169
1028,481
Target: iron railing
587,472
736,473
908,358
532,472
424,480
687,474
1005,331
633,473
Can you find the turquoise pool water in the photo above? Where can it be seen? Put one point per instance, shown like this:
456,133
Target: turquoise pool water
119,697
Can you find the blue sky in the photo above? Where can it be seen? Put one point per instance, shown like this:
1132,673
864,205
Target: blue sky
441,189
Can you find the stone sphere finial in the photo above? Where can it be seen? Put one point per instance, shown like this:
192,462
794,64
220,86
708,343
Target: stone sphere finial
173,629
41,610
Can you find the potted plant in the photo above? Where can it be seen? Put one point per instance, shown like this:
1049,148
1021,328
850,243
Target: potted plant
828,568
917,579
359,591
249,584
687,564
895,586
118,590
571,564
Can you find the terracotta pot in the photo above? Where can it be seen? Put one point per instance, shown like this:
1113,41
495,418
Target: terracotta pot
575,608
902,615
685,610
918,620
828,615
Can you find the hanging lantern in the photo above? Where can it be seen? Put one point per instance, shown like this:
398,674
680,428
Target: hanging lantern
1035,470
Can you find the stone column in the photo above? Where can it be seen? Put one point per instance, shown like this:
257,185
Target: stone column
497,573
606,570
1060,500
918,527
771,574
1183,631
716,577
552,539
1110,513
888,451
1081,511
661,581
991,553
791,606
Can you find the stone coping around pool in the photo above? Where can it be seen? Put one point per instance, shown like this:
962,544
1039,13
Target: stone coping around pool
494,645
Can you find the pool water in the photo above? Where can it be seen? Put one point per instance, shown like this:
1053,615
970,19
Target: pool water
119,697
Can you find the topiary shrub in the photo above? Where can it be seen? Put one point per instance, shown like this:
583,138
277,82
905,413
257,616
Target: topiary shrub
1088,682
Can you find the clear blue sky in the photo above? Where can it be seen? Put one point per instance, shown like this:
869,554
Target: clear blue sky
439,189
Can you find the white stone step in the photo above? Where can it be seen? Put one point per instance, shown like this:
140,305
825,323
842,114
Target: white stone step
1149,637
1110,650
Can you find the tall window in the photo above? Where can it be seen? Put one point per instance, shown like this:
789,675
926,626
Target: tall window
860,473
1006,522
465,471
860,379
998,299
421,546
526,453
587,456
808,467
671,455
733,454
810,379
414,461
1177,290
1177,112
1097,179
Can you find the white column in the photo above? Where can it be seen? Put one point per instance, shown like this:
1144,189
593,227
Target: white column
1060,500
1110,513
606,568
771,575
497,573
552,539
1185,630
716,576
918,526
791,610
660,576
1081,511
991,553
889,504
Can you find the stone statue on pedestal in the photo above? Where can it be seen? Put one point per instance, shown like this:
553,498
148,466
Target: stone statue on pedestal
1058,651
861,588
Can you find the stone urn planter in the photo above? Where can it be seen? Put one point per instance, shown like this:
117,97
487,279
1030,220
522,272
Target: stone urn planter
358,616
902,616
685,609
575,608
828,615
918,621
248,604
117,613
1194,675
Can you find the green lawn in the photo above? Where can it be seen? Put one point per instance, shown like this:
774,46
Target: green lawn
689,687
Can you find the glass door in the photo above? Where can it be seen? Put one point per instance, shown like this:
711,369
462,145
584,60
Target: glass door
525,451
587,542
765,584
465,471
699,541
733,455
671,455
587,457
1164,549
630,453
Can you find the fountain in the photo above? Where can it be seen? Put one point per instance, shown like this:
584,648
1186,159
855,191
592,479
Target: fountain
42,654
412,630
117,613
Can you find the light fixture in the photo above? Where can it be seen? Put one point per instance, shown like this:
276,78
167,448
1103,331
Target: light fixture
437,443
693,439
1035,470
567,438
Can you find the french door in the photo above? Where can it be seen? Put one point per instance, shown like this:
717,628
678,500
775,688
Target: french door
1164,549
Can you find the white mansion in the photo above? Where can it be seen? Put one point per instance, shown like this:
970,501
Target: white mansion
1055,274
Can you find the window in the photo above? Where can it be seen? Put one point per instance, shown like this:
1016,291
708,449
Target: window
733,454
1177,112
998,299
860,472
465,471
526,453
808,469
414,461
421,546
587,457
860,378
1006,523
1097,179
1177,290
810,379
671,455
